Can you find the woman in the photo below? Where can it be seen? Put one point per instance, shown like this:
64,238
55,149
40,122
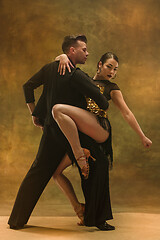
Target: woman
93,122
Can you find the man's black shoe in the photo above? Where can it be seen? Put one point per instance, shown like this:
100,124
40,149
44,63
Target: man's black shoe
16,227
105,227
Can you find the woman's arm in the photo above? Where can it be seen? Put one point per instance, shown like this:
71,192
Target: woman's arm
118,100
63,63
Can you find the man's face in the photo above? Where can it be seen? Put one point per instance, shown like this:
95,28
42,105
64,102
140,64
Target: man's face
80,52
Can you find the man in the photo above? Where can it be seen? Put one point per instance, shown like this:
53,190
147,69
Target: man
69,89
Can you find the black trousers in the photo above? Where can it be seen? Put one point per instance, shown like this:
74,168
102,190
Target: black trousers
53,147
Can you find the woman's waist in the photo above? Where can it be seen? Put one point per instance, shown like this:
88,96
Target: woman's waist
94,108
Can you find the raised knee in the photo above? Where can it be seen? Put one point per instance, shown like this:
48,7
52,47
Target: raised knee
56,110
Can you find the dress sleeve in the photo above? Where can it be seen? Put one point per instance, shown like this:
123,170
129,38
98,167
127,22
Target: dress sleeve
84,84
114,86
34,82
109,87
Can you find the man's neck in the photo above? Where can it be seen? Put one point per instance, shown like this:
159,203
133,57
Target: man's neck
72,60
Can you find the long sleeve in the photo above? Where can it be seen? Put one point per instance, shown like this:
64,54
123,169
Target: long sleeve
83,83
34,82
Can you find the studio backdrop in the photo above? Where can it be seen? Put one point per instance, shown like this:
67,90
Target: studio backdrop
31,34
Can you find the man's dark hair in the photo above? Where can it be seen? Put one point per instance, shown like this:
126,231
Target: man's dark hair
70,41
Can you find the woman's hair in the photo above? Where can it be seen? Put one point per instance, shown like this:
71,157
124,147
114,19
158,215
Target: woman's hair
107,56
70,41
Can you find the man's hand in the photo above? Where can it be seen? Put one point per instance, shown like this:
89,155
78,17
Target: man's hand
36,122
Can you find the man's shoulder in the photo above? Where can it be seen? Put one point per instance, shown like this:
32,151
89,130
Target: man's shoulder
50,66
78,72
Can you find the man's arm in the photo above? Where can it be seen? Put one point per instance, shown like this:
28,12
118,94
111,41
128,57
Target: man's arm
34,82
83,83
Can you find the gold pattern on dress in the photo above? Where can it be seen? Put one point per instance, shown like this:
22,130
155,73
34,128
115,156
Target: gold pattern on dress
93,107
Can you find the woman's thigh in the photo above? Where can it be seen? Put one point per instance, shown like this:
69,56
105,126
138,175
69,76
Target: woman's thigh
85,121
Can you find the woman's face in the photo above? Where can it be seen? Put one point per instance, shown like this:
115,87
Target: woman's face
108,69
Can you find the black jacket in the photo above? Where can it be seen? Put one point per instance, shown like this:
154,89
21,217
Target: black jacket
71,89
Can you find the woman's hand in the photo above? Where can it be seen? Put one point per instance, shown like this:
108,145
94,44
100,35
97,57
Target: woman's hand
146,142
63,63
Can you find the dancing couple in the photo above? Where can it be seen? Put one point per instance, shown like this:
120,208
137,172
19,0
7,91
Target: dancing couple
72,111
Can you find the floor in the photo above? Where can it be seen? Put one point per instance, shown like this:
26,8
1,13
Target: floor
129,226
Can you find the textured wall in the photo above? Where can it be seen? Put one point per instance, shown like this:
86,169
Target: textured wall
30,36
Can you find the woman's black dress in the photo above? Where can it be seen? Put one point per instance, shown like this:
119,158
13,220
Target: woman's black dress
105,87
96,187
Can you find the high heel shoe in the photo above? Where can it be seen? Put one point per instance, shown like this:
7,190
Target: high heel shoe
80,214
85,165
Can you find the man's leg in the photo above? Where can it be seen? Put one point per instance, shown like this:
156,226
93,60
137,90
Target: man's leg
49,155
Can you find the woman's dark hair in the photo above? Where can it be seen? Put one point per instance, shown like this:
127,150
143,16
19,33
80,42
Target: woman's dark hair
70,41
107,56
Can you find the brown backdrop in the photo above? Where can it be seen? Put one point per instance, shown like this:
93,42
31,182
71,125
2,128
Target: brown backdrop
31,34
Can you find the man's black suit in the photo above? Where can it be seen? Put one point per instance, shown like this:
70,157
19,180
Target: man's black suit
69,89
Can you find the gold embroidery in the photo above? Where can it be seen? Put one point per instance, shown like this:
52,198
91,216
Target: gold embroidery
94,108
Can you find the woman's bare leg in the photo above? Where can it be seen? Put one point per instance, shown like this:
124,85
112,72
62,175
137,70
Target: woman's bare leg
65,185
70,118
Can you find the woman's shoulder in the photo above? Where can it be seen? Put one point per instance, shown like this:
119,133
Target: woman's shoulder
108,84
113,85
108,87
